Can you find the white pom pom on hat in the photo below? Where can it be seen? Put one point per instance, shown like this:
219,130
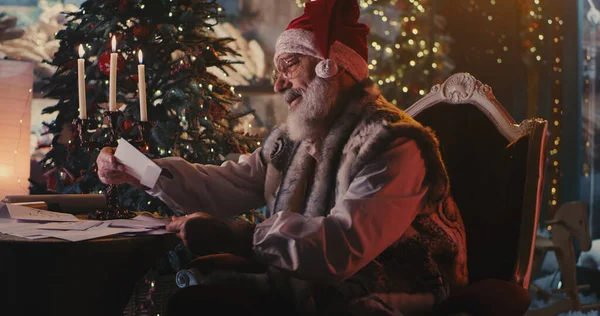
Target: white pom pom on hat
326,68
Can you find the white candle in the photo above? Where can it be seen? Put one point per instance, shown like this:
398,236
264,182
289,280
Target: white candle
81,84
112,92
142,87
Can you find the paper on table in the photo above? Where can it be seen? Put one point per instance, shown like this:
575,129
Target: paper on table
81,225
137,164
132,223
154,232
15,228
148,218
34,237
30,230
92,233
73,235
26,213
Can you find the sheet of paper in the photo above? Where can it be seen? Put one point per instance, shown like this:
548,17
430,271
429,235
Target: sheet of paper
148,218
35,237
137,164
27,213
20,229
154,232
92,233
12,226
80,230
7,221
142,221
131,223
81,225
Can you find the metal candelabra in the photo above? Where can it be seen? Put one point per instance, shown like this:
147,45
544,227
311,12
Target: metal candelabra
112,209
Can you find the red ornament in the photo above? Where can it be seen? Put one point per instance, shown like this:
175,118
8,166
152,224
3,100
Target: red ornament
70,64
180,65
50,182
141,31
104,62
128,125
123,5
131,82
54,175
144,148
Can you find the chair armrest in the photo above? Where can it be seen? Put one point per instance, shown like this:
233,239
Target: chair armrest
487,298
226,261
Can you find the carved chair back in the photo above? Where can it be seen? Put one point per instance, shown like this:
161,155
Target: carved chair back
496,170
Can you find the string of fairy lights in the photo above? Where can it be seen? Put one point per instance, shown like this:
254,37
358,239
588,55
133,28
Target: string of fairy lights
546,29
556,115
20,181
542,39
588,165
408,53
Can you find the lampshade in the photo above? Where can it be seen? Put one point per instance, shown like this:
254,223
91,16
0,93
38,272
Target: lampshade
16,83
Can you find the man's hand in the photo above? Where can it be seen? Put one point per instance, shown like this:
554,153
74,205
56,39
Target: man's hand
205,234
110,171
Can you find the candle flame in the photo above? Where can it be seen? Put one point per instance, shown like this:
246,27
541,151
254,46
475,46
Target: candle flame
114,44
81,51
141,56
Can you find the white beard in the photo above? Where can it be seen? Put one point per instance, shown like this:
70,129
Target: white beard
308,120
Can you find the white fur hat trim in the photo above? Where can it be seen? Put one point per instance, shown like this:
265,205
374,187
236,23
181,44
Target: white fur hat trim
299,41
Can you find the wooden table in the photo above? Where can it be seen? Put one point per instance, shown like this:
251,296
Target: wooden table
56,277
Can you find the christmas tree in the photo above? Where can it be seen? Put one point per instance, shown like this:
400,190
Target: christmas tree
187,105
408,48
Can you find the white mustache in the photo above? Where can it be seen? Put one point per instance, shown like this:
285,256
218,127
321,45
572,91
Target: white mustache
307,119
290,95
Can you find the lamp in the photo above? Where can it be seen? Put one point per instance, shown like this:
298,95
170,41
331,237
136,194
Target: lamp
16,83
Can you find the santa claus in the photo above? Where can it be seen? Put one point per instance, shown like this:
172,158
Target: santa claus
361,220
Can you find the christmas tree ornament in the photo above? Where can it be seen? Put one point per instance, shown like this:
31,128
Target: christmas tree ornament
123,5
142,31
128,125
104,62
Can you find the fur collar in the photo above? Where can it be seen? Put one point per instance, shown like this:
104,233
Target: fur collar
362,131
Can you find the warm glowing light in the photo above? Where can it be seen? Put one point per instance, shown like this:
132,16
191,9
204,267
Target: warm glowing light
81,51
5,171
114,44
140,57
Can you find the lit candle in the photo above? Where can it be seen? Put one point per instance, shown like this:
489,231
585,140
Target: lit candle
112,92
81,84
142,87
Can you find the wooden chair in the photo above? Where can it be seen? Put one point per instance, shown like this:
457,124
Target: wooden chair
496,169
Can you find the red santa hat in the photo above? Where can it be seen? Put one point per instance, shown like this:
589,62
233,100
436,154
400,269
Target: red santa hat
329,30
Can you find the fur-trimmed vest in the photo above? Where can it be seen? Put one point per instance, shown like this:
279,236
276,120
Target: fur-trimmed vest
431,255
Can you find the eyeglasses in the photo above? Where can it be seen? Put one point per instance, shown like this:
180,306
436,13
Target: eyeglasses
286,68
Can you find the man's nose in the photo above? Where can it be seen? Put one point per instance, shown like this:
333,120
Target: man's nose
281,84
